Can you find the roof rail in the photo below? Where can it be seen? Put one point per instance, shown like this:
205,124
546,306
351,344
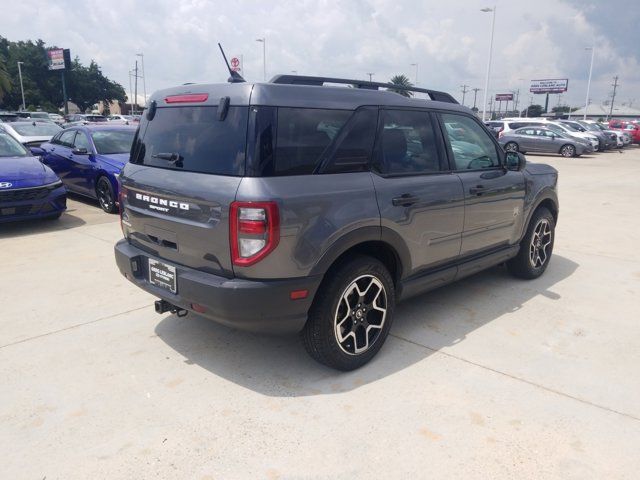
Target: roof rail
320,81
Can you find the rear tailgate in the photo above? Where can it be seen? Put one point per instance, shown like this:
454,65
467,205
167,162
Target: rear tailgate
186,164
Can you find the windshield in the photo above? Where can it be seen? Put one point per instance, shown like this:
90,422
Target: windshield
108,142
36,129
10,147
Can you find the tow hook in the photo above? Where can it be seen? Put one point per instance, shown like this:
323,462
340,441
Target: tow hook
162,306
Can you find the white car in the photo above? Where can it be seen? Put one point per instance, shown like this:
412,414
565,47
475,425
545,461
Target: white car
31,134
120,119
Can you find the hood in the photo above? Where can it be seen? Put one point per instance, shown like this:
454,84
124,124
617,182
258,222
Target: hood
37,138
25,172
116,160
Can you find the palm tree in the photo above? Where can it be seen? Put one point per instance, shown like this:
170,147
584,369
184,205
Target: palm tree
5,79
401,81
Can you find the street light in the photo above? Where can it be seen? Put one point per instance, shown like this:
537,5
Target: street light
486,82
263,40
586,102
144,78
24,107
416,65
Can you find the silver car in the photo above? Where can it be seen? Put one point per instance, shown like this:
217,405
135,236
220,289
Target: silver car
543,140
31,134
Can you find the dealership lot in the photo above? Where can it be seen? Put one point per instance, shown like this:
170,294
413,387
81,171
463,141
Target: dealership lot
488,378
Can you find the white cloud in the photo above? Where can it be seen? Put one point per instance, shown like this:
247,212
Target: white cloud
449,40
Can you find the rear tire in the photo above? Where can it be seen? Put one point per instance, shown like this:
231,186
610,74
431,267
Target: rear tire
105,195
536,247
351,314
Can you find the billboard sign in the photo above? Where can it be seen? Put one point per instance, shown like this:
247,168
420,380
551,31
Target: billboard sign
55,58
504,97
236,63
554,85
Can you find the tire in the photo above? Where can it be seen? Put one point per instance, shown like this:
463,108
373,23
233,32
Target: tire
536,247
568,151
105,195
55,216
338,333
511,147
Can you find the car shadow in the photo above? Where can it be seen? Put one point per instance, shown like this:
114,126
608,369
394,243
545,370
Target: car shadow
30,227
280,367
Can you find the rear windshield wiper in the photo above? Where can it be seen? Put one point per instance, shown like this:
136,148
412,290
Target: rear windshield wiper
173,158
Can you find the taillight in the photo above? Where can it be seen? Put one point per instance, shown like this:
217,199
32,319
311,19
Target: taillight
121,196
254,231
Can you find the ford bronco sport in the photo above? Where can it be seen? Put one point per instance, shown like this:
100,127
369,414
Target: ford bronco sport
299,206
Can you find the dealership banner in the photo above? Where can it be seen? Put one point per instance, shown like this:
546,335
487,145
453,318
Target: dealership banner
55,58
554,85
502,97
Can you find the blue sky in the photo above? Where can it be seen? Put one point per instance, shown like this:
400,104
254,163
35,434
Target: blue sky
449,40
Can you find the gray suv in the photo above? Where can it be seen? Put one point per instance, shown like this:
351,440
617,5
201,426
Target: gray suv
296,206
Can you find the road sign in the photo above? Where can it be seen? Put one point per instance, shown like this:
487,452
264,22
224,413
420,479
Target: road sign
55,58
502,97
554,85
236,63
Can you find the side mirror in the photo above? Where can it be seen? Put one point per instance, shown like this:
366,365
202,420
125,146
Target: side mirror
515,161
79,151
37,151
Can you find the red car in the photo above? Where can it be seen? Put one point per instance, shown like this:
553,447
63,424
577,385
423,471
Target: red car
632,128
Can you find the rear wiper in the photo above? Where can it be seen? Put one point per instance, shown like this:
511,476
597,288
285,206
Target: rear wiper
174,158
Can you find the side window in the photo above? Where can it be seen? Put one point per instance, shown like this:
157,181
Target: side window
471,145
352,147
82,141
302,136
66,139
407,143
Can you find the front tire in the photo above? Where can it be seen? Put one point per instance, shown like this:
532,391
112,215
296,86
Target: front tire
511,147
568,151
105,194
536,247
351,315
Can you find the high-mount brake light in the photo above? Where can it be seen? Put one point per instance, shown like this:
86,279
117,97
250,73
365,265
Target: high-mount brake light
187,98
254,231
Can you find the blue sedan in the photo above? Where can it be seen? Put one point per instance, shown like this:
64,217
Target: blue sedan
88,160
28,189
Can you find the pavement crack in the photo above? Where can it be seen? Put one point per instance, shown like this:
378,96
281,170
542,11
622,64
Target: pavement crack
519,379
72,327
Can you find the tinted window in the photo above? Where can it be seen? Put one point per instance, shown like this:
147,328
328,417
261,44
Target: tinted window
193,139
113,141
302,136
353,146
407,143
66,138
82,141
10,147
471,145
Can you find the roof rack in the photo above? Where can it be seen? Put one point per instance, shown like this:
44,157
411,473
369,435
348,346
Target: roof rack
320,81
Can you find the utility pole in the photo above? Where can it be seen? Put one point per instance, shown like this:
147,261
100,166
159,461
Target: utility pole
130,94
517,102
613,96
370,75
475,95
24,107
464,92
144,78
135,93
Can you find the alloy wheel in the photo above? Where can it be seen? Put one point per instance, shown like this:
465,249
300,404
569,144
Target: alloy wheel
360,314
568,151
104,195
540,243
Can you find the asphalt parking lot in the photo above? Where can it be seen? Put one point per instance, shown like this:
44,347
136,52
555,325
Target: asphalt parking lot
489,378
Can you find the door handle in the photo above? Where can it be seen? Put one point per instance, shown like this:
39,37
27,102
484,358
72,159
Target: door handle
477,190
405,200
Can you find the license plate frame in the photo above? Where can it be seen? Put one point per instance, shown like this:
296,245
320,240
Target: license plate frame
163,275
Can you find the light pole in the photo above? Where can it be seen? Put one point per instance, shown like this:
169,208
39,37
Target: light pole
130,95
295,72
370,75
263,40
144,78
486,82
24,107
416,65
586,102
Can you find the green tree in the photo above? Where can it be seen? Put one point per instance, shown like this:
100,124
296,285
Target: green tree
401,81
88,86
5,79
533,111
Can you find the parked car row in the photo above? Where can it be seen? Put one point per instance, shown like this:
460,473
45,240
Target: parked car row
568,138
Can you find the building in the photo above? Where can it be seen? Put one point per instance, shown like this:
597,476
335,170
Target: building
596,111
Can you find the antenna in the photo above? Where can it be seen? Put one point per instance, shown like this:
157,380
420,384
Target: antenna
235,76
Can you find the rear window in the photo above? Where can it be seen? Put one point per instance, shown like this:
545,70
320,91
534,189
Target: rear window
36,129
193,139
113,141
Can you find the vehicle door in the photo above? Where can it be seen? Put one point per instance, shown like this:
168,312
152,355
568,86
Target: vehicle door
83,165
523,138
59,153
494,196
419,198
550,142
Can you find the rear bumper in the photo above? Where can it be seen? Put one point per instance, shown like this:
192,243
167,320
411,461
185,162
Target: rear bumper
255,305
52,205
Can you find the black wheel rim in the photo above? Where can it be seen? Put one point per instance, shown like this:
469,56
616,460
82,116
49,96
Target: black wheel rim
540,245
360,315
511,147
104,195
